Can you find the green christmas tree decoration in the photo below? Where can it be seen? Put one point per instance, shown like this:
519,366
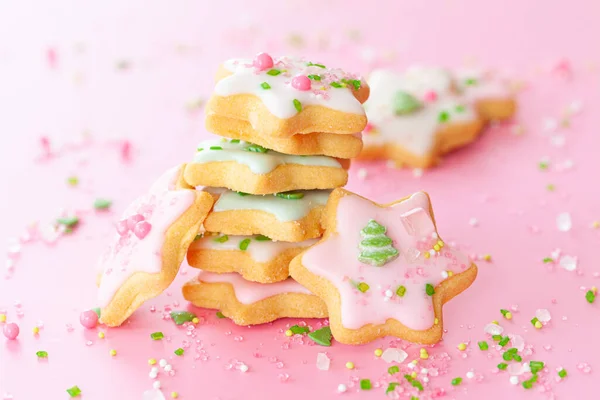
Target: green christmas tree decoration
405,103
376,247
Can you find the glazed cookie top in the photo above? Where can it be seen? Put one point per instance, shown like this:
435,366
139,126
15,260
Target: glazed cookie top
385,262
140,234
250,292
478,84
259,159
286,84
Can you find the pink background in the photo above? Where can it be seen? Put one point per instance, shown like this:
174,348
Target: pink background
172,49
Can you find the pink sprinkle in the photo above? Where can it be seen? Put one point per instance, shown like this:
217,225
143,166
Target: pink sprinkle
51,57
11,331
45,143
133,220
142,229
126,150
301,82
263,61
563,68
430,96
369,128
122,227
89,319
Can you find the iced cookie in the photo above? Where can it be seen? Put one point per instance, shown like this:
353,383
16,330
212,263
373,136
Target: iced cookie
284,96
382,269
416,117
148,246
256,258
329,144
250,168
491,95
289,217
251,303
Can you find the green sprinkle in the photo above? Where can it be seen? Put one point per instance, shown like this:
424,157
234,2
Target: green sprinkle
429,289
562,373
356,83
507,356
405,103
483,345
365,384
534,320
456,381
297,105
504,341
42,354
74,391
221,239
262,238
497,338
299,330
200,149
244,244
459,108
97,311
443,116
470,81
321,336
394,369
504,312
234,141
337,85
529,383
550,187
73,180
363,287
414,398
314,77
590,296
69,222
543,165
309,64
417,384
179,317
216,148
102,204
391,387
265,86
548,260
502,366
220,315
179,351
517,358
408,378
242,194
256,148
401,291
273,72
290,195
536,366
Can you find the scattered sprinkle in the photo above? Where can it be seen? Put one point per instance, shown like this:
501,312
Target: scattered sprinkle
590,296
456,381
378,352
265,86
392,354
322,336
462,346
42,354
298,330
350,365
113,352
297,105
74,391
563,222
562,373
394,369
181,317
157,336
220,315
323,362
102,204
179,351
365,384
483,345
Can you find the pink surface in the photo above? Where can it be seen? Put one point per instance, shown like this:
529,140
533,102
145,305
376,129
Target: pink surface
59,78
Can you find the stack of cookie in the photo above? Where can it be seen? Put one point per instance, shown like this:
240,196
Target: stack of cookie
290,127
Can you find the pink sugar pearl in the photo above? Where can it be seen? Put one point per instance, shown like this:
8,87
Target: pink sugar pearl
11,331
301,82
89,319
122,227
142,229
263,61
430,96
133,220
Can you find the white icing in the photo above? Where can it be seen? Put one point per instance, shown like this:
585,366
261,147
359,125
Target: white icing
279,99
484,87
283,209
259,163
259,250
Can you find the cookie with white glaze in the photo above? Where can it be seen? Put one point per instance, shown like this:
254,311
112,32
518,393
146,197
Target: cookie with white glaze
148,246
250,168
256,258
383,270
284,96
251,303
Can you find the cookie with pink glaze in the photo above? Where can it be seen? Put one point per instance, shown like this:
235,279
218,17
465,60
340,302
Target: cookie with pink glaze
251,303
148,246
383,270
284,96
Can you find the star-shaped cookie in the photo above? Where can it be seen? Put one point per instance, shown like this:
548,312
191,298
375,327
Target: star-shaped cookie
383,270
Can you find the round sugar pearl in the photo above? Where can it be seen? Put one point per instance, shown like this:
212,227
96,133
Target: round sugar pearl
263,61
89,319
11,331
301,82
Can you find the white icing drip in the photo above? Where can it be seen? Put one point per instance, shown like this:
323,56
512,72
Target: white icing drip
259,250
283,209
259,163
279,99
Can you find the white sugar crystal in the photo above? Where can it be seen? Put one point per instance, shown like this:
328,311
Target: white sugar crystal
514,380
389,293
153,394
168,367
323,362
342,388
563,222
515,369
444,274
543,315
391,354
493,329
568,262
156,385
550,124
244,368
162,362
517,342
470,374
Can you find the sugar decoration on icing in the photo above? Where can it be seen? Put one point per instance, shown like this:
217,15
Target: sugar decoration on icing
260,248
283,209
477,84
140,234
260,162
286,84
376,248
397,289
250,292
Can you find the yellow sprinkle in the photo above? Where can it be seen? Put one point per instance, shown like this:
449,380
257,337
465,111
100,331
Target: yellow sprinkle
436,321
495,322
427,255
538,325
450,273
508,315
462,346
195,320
174,395
288,333
2,317
487,257
594,289
424,354
440,243
350,365
36,330
414,362
101,335
378,352
596,224
436,247
152,361
413,374
113,352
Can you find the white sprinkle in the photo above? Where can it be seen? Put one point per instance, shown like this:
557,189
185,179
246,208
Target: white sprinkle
444,274
432,252
342,388
390,354
543,315
323,362
389,293
153,373
575,107
362,174
568,262
558,140
244,368
425,379
153,394
168,367
424,371
470,374
514,380
563,222
162,362
156,385
473,221
550,124
417,172
493,329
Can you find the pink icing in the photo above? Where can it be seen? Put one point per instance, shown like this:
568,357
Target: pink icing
411,228
263,61
139,248
301,82
430,96
250,292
